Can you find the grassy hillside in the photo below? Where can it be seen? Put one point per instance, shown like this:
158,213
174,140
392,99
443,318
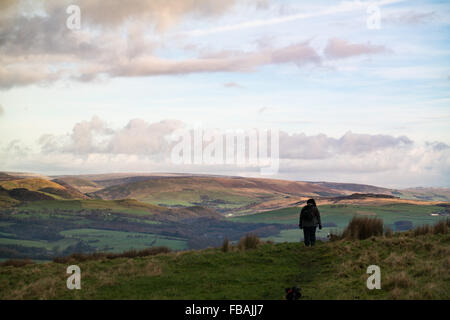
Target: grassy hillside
412,267
33,184
39,186
238,195
82,185
224,194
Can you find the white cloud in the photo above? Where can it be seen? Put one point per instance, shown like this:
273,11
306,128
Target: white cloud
410,17
93,146
233,85
138,137
44,50
301,146
339,49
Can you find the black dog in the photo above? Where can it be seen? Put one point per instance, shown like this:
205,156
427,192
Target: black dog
293,293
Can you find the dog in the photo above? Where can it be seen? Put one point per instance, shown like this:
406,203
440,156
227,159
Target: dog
293,293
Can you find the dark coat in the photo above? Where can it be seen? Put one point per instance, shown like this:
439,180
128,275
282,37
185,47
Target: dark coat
316,217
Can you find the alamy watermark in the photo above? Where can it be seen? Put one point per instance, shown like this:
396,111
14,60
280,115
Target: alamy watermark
373,21
243,148
74,281
73,22
374,281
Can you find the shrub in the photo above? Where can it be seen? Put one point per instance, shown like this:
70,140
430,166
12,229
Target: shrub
388,232
249,241
363,227
226,246
441,227
16,262
335,236
421,230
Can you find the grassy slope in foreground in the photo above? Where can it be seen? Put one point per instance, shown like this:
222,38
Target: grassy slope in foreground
411,268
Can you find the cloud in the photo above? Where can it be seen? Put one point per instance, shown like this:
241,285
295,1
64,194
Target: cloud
411,18
44,50
11,76
340,8
117,39
340,49
233,85
15,149
438,146
93,146
162,13
222,61
37,47
301,146
138,137
263,109
30,72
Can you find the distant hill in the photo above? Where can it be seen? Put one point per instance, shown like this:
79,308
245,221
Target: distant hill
426,194
32,189
33,184
237,194
225,194
348,188
80,184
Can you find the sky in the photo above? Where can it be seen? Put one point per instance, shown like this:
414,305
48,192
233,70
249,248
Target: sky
358,90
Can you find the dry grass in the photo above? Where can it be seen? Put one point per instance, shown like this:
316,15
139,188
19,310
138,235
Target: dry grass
363,227
81,257
249,241
388,232
226,245
440,227
422,230
398,280
400,260
16,262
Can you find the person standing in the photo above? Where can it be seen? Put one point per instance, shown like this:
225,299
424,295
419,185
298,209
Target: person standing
309,220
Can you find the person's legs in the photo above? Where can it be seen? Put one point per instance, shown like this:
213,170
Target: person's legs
306,236
312,235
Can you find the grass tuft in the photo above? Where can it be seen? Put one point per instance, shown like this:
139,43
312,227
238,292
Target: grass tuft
363,227
226,245
249,241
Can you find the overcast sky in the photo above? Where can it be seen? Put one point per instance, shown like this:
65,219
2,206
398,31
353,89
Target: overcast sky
353,103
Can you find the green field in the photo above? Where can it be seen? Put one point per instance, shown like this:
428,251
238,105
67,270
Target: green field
48,245
192,197
120,206
117,241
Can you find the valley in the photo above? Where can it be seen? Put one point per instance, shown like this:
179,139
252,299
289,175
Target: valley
45,217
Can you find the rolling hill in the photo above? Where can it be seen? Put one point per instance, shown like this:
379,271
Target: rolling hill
236,195
41,217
